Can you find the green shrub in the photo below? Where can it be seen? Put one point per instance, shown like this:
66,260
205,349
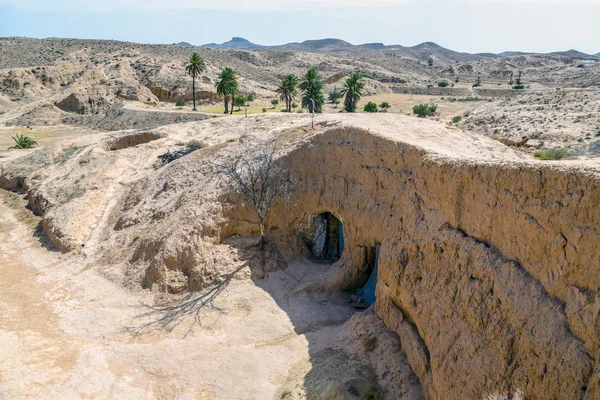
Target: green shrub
180,103
443,84
384,105
194,145
63,84
274,102
81,110
519,87
334,95
424,110
456,119
429,86
264,109
552,154
370,107
433,108
295,105
370,394
2,112
23,142
467,99
476,84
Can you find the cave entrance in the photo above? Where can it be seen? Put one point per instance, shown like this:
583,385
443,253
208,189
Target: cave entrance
367,292
329,237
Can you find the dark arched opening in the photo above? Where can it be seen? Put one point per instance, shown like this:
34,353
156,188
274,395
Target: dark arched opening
329,237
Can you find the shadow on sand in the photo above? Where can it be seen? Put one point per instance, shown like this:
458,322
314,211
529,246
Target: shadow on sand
343,341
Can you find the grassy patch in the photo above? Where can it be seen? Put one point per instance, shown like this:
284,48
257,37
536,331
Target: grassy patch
552,154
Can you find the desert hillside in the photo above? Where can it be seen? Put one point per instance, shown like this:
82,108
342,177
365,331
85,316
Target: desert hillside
437,243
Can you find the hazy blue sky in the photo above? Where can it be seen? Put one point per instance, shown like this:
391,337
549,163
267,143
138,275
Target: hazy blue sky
463,25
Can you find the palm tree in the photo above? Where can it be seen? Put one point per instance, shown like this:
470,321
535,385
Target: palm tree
312,90
194,67
353,91
288,90
235,91
226,85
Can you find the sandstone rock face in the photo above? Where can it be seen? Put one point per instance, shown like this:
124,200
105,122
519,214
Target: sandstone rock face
488,267
72,103
489,273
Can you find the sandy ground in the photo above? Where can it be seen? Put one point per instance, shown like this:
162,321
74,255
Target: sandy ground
68,333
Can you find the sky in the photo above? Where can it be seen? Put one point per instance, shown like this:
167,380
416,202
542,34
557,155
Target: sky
463,25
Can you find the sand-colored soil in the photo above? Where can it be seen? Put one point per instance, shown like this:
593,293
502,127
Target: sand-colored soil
68,333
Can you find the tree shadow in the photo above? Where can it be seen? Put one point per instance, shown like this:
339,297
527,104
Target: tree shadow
331,369
167,318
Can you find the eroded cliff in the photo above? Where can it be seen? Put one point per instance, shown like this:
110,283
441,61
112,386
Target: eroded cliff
488,269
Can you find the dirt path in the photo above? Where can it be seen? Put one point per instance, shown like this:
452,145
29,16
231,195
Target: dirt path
64,330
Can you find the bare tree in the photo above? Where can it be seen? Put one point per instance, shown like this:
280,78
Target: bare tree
254,175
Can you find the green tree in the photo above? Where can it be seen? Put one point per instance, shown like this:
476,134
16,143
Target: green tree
235,91
430,62
424,110
352,91
370,107
240,101
384,106
227,85
288,90
249,98
194,67
274,103
312,91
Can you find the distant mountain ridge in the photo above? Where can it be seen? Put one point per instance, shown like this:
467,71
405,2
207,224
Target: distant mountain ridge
236,43
421,51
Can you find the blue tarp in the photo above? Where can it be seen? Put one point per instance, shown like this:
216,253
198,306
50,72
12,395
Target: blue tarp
341,241
368,291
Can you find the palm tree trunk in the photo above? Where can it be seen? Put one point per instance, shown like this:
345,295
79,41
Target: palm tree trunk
226,103
194,91
232,103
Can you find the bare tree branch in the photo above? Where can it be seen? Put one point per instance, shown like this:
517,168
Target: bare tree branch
254,175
